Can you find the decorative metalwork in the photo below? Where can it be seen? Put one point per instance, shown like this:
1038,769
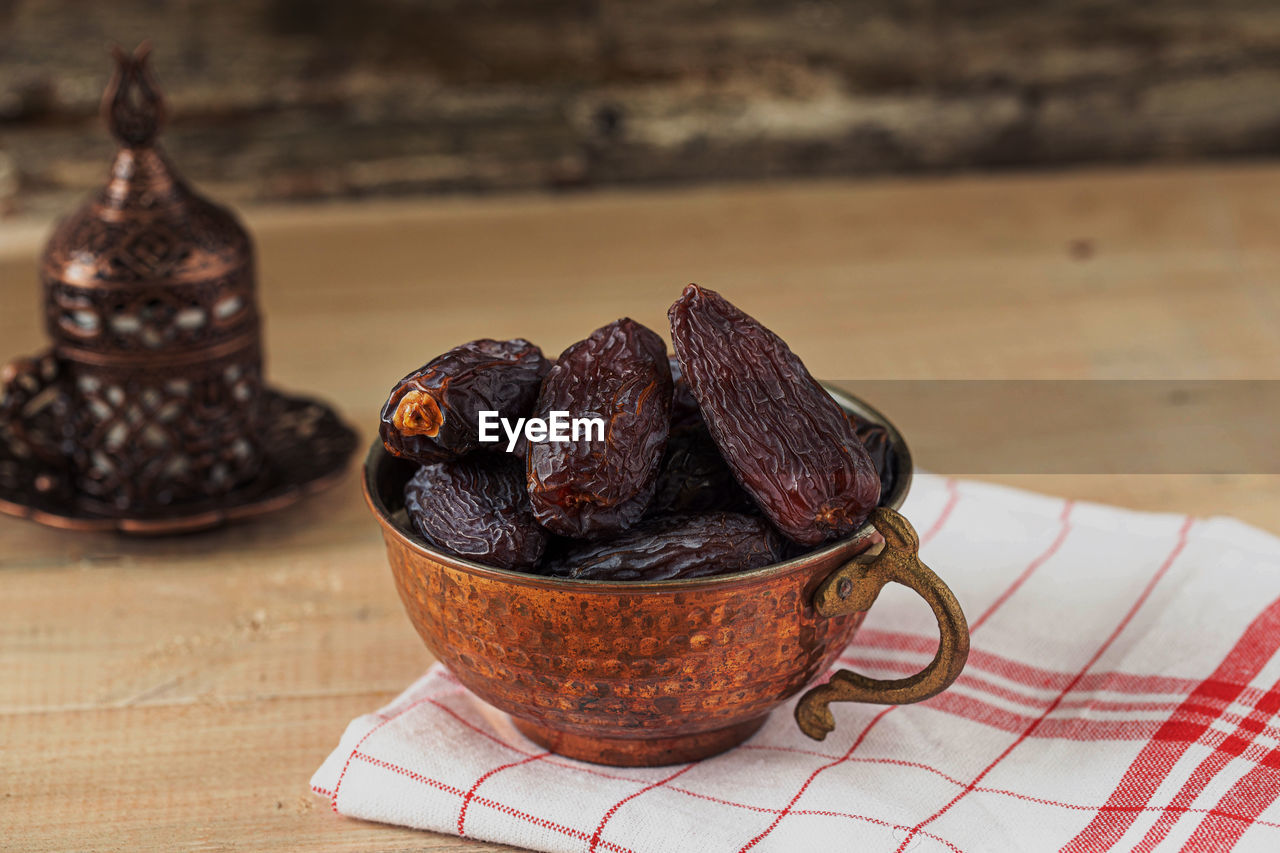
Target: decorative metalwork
853,589
663,672
151,403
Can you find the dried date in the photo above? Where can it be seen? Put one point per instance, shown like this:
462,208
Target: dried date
477,508
787,441
588,488
694,477
875,438
684,407
432,414
675,546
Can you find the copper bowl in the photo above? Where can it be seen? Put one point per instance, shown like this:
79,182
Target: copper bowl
651,673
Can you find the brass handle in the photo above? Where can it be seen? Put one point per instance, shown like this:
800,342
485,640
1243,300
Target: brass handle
852,589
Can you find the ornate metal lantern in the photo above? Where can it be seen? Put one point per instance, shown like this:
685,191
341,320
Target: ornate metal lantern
150,411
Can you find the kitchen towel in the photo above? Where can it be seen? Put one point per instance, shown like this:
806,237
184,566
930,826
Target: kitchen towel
1121,692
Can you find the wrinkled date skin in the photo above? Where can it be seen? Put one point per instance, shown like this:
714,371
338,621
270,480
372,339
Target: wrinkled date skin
875,438
694,477
433,413
787,441
590,488
676,546
684,406
477,508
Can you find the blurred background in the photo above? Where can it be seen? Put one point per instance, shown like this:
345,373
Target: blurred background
282,100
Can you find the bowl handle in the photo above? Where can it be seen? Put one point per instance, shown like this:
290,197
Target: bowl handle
853,589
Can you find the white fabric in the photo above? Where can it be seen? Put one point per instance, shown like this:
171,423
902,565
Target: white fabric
1121,691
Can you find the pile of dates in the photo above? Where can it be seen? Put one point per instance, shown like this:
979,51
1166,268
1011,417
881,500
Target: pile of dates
727,457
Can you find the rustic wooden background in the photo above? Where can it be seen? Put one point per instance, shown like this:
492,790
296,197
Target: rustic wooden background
304,99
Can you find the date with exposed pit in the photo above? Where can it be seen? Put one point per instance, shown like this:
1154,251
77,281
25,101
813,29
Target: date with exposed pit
724,480
619,462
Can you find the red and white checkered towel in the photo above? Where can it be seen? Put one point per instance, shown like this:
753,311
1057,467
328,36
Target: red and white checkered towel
1121,692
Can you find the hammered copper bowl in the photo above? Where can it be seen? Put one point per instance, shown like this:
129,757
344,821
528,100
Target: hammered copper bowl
650,673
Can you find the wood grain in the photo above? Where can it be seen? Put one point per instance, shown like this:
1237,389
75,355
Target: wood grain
177,693
298,99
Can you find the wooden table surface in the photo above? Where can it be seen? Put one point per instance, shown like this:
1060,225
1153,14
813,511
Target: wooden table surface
176,694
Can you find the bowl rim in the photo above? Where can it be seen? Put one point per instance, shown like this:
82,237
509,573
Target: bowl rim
379,457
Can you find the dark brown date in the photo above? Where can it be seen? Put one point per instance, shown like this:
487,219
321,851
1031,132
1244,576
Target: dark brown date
694,477
589,488
787,441
432,414
675,546
684,407
477,508
875,438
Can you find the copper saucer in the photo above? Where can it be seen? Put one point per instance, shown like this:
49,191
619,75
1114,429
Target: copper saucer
306,448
